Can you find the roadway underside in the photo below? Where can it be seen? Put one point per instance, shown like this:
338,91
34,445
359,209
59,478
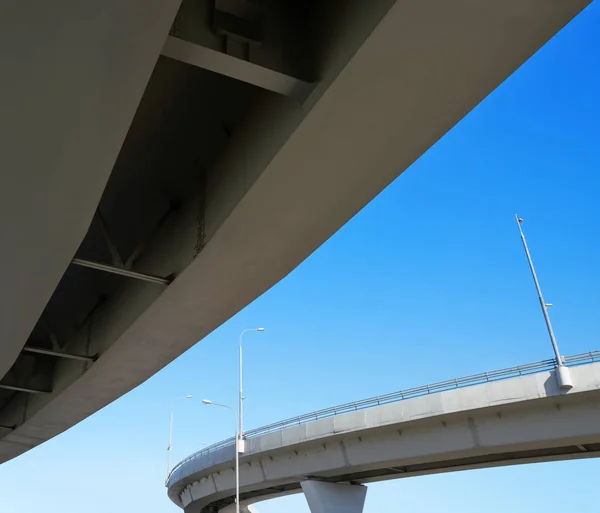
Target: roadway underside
567,452
210,152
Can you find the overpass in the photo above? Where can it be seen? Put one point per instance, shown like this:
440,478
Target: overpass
166,162
507,417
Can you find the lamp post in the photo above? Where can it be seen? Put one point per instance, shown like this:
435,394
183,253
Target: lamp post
170,446
237,451
563,375
241,399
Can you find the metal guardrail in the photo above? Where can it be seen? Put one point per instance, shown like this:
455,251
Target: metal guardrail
476,379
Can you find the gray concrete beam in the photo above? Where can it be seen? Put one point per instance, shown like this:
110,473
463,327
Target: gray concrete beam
233,67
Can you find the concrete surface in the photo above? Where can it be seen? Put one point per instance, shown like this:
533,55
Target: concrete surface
392,78
334,497
73,75
520,420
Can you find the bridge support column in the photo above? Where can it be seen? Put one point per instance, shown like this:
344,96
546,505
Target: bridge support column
334,498
243,509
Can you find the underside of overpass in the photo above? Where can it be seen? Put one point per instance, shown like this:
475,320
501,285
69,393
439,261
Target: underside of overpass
163,170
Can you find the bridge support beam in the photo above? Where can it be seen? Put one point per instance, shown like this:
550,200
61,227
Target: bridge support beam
333,497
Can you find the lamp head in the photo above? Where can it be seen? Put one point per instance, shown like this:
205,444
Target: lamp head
206,401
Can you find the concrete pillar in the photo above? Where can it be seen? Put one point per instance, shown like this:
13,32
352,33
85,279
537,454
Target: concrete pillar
334,498
243,509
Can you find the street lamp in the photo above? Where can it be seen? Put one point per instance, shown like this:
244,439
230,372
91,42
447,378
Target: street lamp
170,446
241,406
237,451
562,372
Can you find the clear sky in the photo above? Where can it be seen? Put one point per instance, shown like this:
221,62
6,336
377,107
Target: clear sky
428,282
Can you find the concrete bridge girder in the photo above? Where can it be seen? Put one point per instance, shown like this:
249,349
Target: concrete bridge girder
225,178
516,421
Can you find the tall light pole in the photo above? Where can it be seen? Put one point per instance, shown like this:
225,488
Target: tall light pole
237,451
563,374
241,405
170,446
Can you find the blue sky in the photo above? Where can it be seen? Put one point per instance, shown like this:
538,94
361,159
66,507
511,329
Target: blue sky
428,282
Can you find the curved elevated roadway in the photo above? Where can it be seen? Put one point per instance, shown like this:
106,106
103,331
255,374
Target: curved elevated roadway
512,417
201,149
